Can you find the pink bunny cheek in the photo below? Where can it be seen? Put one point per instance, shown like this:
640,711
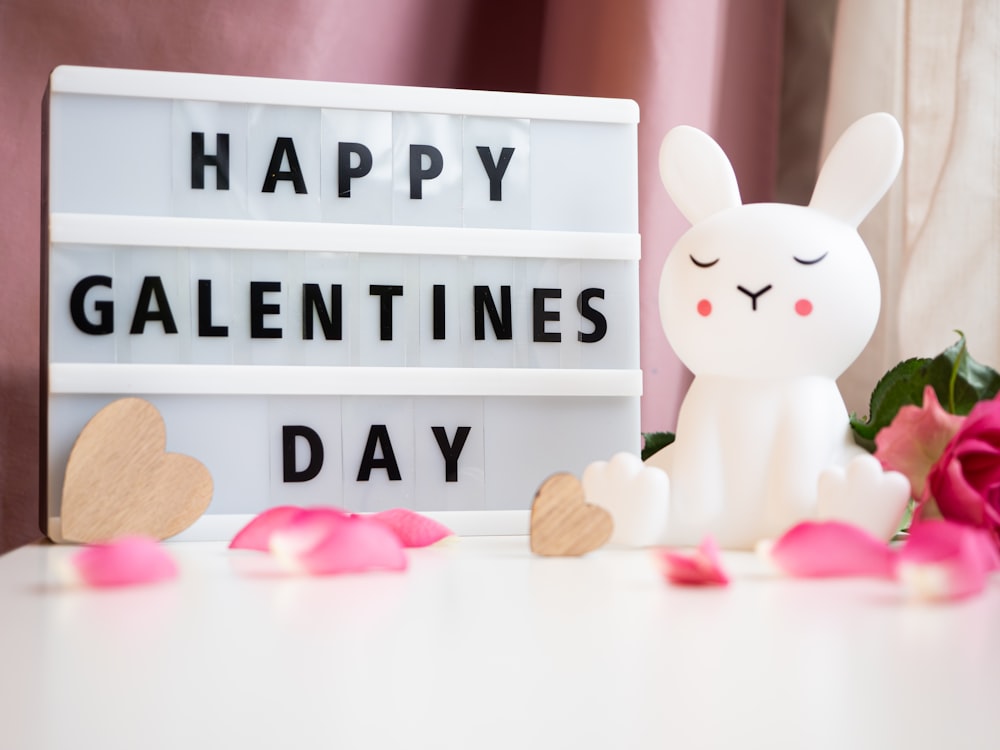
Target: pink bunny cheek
704,308
804,307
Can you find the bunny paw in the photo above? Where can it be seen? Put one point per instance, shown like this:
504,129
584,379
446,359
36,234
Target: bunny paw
636,496
865,495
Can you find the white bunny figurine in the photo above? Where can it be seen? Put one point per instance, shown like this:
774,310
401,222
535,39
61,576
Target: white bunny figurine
767,304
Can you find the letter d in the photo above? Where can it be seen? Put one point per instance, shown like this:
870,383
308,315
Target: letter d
289,433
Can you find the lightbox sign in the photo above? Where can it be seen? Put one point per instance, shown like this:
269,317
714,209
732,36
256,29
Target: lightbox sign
360,295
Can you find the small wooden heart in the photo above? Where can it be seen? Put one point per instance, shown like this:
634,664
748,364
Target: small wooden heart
563,523
120,479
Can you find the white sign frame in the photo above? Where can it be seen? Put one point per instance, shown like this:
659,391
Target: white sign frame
598,224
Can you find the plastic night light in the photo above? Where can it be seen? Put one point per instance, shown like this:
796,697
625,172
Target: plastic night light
767,304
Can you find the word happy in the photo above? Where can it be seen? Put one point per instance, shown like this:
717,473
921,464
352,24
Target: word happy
354,161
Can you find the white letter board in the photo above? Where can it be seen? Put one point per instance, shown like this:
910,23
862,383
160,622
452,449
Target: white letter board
366,296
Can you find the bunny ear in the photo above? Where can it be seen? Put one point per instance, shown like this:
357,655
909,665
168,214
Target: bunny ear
859,169
697,174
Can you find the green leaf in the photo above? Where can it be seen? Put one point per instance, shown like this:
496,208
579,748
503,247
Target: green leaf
957,379
902,385
960,381
655,441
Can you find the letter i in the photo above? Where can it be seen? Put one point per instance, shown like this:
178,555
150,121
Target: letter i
438,309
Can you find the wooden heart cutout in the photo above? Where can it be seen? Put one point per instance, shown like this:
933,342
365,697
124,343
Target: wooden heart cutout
563,523
120,479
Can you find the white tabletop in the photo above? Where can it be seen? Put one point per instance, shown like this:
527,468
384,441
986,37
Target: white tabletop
480,644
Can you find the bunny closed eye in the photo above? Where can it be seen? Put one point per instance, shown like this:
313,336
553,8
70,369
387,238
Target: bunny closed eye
808,261
703,264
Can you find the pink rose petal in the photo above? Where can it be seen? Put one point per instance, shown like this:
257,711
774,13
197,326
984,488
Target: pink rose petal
815,549
413,529
123,562
320,542
945,560
257,534
702,567
304,530
915,440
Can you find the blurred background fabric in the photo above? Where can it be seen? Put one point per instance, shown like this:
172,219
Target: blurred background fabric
775,81
936,67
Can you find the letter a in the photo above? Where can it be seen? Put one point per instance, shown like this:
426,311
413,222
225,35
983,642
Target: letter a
378,436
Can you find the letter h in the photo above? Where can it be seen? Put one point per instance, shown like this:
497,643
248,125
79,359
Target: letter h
200,160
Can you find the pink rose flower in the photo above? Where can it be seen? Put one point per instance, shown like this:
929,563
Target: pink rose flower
915,440
965,481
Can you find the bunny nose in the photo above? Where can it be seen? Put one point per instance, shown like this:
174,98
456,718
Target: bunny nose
754,295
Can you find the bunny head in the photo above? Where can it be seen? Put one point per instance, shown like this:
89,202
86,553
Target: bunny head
768,289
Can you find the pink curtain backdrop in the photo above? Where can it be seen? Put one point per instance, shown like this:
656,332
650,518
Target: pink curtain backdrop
714,64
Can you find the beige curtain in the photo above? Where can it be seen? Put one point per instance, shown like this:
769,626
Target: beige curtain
936,66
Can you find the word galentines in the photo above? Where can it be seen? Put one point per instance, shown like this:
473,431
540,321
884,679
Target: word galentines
321,313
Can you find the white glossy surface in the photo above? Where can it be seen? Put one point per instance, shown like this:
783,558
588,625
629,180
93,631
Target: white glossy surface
482,645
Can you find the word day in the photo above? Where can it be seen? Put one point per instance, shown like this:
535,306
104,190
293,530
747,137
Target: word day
378,453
